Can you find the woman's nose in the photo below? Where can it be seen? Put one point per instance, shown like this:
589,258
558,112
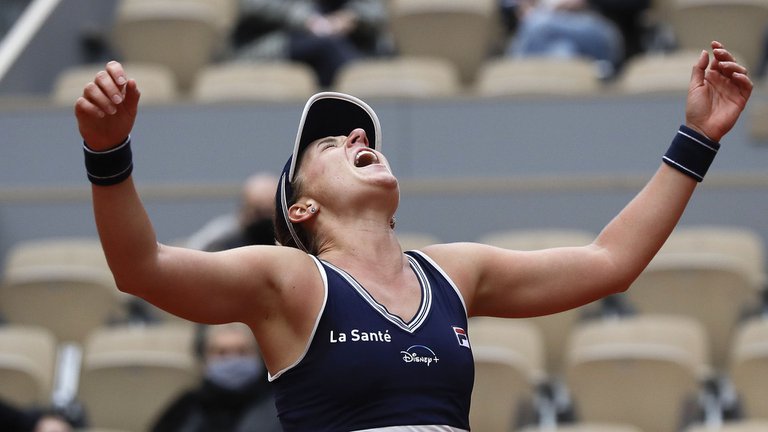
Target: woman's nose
357,136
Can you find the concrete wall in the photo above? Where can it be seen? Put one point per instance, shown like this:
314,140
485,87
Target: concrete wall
467,166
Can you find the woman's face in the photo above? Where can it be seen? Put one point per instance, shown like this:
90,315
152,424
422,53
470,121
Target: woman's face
338,166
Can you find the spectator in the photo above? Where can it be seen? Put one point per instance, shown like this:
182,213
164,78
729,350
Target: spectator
16,419
251,225
628,17
325,34
234,395
567,28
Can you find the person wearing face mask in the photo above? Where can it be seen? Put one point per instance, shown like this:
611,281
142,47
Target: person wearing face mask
252,225
234,395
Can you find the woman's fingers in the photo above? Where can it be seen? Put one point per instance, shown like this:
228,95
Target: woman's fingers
94,94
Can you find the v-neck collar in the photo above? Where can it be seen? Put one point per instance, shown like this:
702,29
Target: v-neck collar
424,306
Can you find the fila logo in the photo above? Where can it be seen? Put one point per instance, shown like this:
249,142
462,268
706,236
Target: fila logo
461,336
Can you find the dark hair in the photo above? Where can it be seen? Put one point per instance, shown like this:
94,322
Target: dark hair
283,235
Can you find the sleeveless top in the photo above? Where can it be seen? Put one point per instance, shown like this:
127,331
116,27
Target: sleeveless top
365,368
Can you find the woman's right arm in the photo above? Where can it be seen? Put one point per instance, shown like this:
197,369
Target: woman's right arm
243,284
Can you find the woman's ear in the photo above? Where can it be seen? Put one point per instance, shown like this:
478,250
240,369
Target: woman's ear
301,212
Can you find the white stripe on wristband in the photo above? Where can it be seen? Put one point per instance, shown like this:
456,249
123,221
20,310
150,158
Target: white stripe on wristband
691,153
109,167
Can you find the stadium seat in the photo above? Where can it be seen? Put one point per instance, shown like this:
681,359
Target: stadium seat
156,82
130,373
583,427
641,370
657,73
415,240
462,32
27,358
62,284
535,239
713,289
537,76
747,425
554,328
749,367
738,24
508,368
758,127
225,11
399,77
744,244
181,35
254,82
63,251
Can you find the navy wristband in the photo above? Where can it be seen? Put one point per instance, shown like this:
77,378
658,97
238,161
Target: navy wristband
691,153
109,167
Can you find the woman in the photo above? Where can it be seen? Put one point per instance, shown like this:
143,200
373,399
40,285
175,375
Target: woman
356,334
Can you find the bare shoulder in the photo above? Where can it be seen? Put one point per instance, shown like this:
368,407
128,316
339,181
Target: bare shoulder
287,268
461,261
285,317
475,267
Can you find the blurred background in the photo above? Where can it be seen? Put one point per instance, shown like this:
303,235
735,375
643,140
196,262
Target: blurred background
519,123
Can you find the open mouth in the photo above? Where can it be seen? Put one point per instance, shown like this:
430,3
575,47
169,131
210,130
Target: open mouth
363,158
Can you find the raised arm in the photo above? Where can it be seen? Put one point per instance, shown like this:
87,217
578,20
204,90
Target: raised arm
238,285
511,283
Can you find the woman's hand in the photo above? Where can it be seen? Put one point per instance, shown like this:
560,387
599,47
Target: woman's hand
107,109
718,93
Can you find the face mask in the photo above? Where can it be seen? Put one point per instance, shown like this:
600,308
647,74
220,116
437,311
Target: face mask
233,373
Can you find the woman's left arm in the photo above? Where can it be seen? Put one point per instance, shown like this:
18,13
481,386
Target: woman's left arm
513,283
718,93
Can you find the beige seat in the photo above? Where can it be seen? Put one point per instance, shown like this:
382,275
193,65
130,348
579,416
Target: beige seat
739,24
713,289
27,358
156,82
584,427
749,367
64,251
254,81
462,32
62,284
658,73
640,371
535,239
225,11
129,374
415,240
733,426
744,244
660,11
758,127
554,328
181,35
508,367
400,77
537,76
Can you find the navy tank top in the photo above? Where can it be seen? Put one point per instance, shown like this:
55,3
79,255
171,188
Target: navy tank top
365,368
